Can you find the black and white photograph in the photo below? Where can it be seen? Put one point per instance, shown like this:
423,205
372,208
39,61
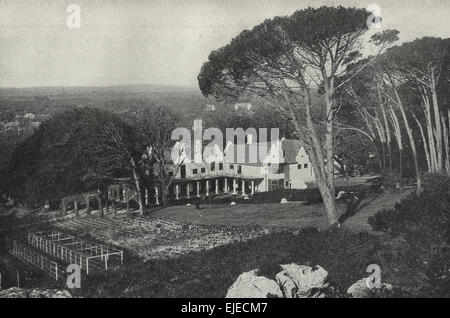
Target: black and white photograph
224,152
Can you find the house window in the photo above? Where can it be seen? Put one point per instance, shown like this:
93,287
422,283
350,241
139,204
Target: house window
287,183
194,171
203,170
305,165
232,167
213,166
239,169
220,166
170,173
299,166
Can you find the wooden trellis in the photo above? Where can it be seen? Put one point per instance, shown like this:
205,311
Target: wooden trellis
40,261
71,250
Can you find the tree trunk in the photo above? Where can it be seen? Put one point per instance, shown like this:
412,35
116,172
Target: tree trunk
411,141
430,132
114,208
100,205
164,196
380,163
383,154
425,144
324,176
388,132
137,181
77,212
437,121
398,138
329,145
445,135
328,201
164,190
88,206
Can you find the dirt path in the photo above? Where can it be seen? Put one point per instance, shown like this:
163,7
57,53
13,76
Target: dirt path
359,222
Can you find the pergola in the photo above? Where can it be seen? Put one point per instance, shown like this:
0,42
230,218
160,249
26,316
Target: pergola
74,251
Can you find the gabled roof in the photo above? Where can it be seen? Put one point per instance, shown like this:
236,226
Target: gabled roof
291,148
284,151
254,154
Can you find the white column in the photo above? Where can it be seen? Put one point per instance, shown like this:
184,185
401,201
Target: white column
198,188
188,195
146,196
217,186
225,185
234,186
243,187
177,191
156,195
253,187
207,187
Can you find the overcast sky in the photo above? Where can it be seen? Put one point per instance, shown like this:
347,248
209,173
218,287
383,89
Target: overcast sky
156,41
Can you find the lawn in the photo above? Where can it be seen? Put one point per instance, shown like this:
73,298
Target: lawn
179,251
291,215
295,215
178,230
410,256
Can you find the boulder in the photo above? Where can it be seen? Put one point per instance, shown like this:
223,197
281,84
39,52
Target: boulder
233,203
15,292
284,200
300,281
250,285
361,290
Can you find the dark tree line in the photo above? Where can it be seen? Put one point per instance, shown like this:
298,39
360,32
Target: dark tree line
87,149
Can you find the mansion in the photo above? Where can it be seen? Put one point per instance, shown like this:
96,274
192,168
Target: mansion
285,165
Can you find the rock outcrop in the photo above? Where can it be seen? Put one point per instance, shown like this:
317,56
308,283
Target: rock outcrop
300,281
360,289
294,281
15,292
250,285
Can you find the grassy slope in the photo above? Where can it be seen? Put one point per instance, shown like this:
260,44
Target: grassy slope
345,255
210,273
294,215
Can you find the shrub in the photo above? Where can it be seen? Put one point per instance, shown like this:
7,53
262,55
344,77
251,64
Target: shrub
423,221
210,273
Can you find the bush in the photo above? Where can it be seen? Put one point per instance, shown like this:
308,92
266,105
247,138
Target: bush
423,221
429,211
210,273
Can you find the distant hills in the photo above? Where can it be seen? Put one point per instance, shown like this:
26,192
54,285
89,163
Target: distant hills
55,90
187,102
